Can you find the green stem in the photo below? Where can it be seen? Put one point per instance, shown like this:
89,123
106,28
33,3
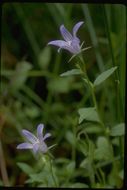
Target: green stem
83,68
55,182
102,176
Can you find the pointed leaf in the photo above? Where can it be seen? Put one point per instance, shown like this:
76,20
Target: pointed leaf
70,167
89,114
70,138
103,151
25,168
103,76
118,130
71,72
20,75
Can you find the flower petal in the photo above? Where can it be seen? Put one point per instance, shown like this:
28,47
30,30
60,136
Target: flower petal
25,146
46,136
35,147
43,148
76,28
65,33
59,43
40,131
29,136
75,45
63,45
71,49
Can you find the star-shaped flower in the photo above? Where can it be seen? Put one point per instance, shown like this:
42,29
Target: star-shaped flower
72,42
35,143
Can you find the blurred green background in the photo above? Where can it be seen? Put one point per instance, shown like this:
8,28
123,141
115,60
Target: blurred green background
32,90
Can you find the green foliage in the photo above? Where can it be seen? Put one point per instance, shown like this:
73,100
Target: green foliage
71,72
20,75
25,168
103,151
118,130
103,76
89,114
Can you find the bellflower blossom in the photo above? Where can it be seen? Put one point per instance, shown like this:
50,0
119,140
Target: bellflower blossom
72,42
35,143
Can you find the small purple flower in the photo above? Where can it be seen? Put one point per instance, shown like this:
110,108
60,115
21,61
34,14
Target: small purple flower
72,42
35,143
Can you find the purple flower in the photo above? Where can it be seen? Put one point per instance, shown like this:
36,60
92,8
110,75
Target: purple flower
35,143
71,42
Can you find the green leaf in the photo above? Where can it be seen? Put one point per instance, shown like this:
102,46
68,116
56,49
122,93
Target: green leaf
25,168
118,130
89,114
92,128
70,137
44,58
71,72
20,75
82,147
113,178
85,163
70,168
39,177
88,168
44,177
103,151
103,76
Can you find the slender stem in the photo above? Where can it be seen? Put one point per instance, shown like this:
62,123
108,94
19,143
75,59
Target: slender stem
98,176
55,182
102,175
83,68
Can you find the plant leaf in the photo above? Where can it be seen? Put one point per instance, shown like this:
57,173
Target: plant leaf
71,72
82,147
25,168
103,76
103,151
89,114
118,130
70,138
20,75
